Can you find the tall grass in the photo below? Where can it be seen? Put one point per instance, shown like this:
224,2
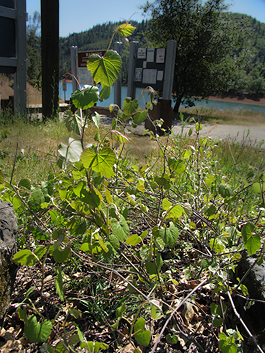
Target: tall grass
29,150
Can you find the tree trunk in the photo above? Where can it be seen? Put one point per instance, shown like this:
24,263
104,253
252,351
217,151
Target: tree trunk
176,107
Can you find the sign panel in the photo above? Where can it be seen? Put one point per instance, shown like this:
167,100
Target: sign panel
138,74
84,55
150,55
160,56
141,53
160,75
84,75
149,76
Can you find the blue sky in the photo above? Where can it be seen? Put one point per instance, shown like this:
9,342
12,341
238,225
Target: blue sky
80,15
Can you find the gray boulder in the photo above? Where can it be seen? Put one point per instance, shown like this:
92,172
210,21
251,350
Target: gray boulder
8,232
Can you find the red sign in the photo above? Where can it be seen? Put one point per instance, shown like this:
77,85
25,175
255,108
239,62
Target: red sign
64,85
84,55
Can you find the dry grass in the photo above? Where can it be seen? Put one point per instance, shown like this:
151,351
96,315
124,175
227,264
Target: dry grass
230,117
33,148
36,145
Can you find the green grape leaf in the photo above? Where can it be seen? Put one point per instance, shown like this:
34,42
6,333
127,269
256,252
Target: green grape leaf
217,322
209,180
257,188
112,107
114,241
129,106
96,119
171,339
139,325
16,202
90,197
101,162
2,177
104,93
166,204
73,123
73,340
251,240
175,212
24,183
35,331
62,255
225,346
169,235
60,348
105,70
125,29
152,267
40,251
85,98
94,347
177,165
141,335
24,257
75,313
133,239
72,152
187,154
198,126
59,283
114,123
121,310
120,228
37,197
163,180
139,117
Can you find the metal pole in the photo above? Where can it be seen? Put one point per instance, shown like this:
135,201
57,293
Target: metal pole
117,83
131,69
50,57
74,67
20,76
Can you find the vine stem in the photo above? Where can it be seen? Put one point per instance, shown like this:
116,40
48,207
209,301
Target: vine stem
242,322
175,310
13,169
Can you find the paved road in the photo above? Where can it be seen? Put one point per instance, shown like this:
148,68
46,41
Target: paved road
219,132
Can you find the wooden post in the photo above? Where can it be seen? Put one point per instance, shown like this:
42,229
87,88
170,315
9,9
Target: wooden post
169,69
117,83
50,57
131,69
20,76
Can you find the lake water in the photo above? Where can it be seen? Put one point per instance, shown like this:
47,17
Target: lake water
207,104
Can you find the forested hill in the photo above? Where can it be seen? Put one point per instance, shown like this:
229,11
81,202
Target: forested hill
252,80
258,34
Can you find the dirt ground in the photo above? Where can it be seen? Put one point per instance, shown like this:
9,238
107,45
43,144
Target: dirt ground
6,90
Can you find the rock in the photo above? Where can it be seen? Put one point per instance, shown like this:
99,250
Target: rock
8,231
254,317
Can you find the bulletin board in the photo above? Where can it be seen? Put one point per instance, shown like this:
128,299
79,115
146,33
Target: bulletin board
150,68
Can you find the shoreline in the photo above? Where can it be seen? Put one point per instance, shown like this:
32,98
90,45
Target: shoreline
260,101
